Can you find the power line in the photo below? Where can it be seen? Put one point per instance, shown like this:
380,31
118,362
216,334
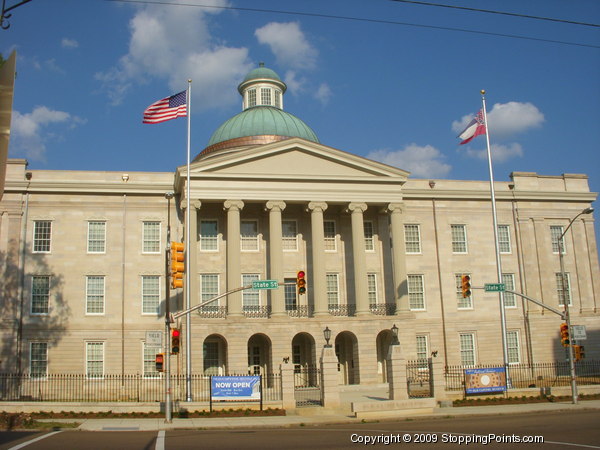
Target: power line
489,11
358,19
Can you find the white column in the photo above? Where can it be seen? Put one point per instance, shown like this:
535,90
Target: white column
399,257
317,280
275,209
234,273
361,293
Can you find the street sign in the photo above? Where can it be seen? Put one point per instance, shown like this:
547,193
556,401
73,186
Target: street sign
154,338
578,332
494,287
265,284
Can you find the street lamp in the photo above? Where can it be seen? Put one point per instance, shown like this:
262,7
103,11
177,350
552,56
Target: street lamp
395,340
168,411
327,336
566,301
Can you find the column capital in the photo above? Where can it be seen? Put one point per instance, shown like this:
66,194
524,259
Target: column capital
395,208
356,207
275,205
233,205
196,204
317,206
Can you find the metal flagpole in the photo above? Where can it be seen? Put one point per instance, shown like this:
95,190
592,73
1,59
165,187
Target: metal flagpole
188,352
495,220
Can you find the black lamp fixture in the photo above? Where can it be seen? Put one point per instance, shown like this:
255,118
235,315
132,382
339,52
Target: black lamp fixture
327,336
395,340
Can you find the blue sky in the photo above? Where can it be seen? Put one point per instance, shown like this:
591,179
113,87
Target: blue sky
398,92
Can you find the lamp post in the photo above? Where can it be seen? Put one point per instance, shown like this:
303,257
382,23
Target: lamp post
327,336
168,411
395,340
567,300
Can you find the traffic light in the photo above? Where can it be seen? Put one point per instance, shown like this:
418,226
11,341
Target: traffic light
301,282
465,282
579,351
177,264
564,335
159,361
175,340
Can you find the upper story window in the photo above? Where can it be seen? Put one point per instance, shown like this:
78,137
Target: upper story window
277,99
563,288
40,294
249,235
265,96
209,235
416,292
369,240
372,288
412,238
333,291
42,236
151,237
150,294
510,300
330,235
94,294
504,238
556,232
459,238
96,237
289,234
251,98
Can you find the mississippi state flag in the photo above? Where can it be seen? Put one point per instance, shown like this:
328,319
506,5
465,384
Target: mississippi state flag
475,128
167,108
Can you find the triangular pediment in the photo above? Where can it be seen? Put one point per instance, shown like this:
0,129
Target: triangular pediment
294,158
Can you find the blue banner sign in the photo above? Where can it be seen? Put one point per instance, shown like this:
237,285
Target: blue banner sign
235,387
490,379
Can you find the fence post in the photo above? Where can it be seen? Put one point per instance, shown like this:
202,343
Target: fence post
329,378
396,373
288,400
439,381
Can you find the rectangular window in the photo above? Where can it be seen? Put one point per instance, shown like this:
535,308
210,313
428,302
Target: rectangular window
209,288
467,349
372,288
564,292
289,229
277,99
290,294
369,241
556,232
330,235
250,297
94,297
251,98
209,235
504,238
416,292
412,238
151,237
212,363
150,294
510,300
249,235
463,303
459,238
512,345
149,360
94,359
96,242
265,96
38,363
40,294
42,236
333,293
422,351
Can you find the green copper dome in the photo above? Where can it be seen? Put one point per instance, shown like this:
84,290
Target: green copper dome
262,120
262,72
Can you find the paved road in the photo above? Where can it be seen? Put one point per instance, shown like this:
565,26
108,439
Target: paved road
569,430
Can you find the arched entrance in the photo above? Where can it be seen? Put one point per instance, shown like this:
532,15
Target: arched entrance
384,340
259,355
346,350
215,355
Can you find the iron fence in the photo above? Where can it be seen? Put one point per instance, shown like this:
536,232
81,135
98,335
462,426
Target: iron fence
535,375
419,378
114,388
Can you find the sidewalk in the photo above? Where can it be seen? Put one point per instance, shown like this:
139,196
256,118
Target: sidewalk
126,424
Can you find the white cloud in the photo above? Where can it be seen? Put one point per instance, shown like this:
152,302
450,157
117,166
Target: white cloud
289,44
323,93
31,131
500,152
506,119
422,161
175,44
69,43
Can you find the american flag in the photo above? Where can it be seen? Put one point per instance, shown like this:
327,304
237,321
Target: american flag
167,108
